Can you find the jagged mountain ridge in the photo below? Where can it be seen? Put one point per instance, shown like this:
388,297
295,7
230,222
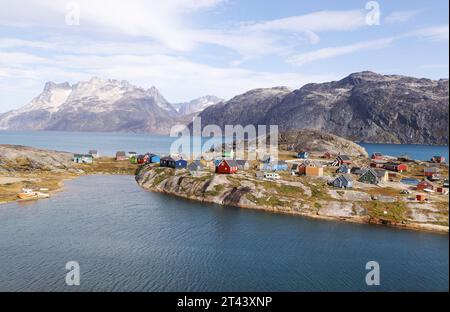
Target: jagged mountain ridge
94,105
364,106
196,105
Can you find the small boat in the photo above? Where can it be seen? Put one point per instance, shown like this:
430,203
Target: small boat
29,194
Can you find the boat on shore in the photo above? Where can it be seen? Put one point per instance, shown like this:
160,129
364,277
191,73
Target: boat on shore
29,194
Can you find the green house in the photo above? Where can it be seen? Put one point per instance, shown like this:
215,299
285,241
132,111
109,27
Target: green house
369,177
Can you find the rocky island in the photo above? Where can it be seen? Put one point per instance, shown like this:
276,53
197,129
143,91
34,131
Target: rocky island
389,202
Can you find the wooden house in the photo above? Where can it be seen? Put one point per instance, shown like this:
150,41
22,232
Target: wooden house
344,169
342,160
120,156
431,171
133,159
314,171
395,167
243,164
274,166
153,159
196,166
303,155
438,159
83,159
343,181
357,170
227,167
421,197
94,153
377,156
131,154
181,164
167,162
369,177
442,190
382,174
377,164
425,185
142,159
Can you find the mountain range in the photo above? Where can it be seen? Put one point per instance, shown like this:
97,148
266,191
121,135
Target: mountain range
364,106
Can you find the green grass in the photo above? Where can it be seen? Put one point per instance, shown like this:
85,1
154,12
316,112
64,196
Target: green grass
396,211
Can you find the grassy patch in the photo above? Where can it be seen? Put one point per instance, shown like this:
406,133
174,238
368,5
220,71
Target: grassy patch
395,212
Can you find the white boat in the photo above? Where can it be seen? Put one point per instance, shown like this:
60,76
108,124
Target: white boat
29,194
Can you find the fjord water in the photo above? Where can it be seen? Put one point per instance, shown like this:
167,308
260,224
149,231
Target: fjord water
110,143
128,239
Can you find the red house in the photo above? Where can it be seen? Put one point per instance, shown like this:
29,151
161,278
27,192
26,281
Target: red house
396,167
425,185
377,156
227,167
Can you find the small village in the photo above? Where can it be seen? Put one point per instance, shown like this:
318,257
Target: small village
423,179
334,185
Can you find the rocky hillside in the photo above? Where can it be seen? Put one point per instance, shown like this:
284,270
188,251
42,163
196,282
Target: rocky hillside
94,105
362,107
15,158
319,142
251,107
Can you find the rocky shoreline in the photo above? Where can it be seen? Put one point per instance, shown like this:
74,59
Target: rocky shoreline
307,198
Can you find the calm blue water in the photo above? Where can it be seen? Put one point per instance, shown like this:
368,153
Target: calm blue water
110,143
127,239
418,152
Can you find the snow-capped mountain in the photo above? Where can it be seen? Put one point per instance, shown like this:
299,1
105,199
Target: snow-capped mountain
197,105
94,105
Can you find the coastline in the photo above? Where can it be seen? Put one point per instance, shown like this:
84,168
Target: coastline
430,228
166,187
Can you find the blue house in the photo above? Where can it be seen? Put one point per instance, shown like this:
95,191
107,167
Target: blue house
274,166
303,155
181,164
343,169
217,162
153,159
343,182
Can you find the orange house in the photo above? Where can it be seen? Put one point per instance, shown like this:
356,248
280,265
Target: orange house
420,197
314,171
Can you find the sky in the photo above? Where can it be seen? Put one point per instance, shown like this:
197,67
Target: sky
191,48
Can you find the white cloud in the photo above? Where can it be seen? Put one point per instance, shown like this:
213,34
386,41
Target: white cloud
401,16
316,22
437,33
325,53
178,78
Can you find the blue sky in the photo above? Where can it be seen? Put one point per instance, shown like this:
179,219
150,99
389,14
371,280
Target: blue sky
190,48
